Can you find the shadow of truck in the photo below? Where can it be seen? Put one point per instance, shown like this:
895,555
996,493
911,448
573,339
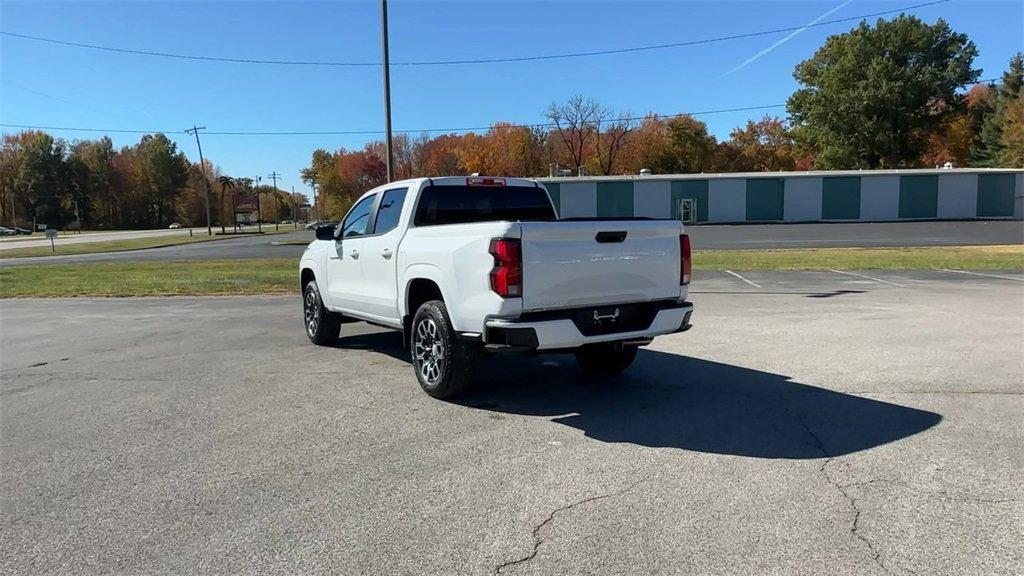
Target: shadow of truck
670,401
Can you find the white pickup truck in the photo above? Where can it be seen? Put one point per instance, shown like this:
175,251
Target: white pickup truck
470,265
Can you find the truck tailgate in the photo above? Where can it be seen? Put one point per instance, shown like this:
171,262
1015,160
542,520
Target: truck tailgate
569,264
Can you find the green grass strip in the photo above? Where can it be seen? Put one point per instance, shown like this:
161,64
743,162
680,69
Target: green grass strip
202,278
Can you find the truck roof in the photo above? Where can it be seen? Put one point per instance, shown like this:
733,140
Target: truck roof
462,180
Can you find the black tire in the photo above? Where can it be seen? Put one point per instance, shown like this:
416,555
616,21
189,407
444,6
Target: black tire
443,364
322,325
606,358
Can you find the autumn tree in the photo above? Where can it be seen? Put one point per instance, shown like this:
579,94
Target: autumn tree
92,166
645,145
988,148
870,97
163,173
689,148
765,145
513,150
611,135
574,123
440,156
1012,140
41,176
953,140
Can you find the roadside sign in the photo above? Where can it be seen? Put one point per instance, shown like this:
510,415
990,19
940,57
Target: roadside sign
51,234
247,208
246,203
40,227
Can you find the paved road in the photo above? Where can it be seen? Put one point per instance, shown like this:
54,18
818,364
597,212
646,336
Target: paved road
39,239
255,246
822,423
731,237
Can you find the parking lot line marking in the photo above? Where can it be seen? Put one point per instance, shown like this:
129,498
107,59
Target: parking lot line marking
980,274
754,284
868,277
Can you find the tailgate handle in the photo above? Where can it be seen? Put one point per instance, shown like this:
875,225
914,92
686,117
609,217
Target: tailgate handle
607,237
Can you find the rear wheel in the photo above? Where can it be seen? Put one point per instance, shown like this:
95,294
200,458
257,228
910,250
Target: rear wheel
322,325
444,364
608,358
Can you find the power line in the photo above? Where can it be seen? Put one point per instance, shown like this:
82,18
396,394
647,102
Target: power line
468,61
405,131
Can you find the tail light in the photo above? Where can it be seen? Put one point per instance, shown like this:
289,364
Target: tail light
685,264
507,274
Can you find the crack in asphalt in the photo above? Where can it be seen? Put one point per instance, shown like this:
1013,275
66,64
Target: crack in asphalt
538,540
943,497
876,556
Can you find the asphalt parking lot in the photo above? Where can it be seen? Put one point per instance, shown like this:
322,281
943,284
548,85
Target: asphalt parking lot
810,423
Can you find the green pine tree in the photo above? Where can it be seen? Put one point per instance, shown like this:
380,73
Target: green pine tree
989,148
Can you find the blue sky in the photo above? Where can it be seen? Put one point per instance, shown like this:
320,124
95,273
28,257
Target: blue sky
50,85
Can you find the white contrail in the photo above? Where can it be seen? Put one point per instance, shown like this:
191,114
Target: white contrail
787,38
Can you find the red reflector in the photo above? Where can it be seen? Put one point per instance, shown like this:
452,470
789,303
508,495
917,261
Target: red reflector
507,274
685,263
479,181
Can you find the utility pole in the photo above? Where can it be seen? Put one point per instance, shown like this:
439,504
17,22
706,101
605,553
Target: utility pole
202,169
295,213
277,201
389,159
259,211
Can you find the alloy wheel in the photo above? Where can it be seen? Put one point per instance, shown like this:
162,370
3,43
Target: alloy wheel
428,351
311,312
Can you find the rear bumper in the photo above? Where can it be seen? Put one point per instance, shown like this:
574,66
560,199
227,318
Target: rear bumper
557,330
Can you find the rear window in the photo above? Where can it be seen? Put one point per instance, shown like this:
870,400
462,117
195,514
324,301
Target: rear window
464,204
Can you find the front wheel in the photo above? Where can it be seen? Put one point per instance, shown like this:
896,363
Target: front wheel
444,364
608,358
322,325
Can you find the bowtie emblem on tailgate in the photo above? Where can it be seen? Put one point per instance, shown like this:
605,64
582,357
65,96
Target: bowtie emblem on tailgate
598,317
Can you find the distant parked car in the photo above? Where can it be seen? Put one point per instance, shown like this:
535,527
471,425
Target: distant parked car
286,222
21,231
312,225
7,231
174,226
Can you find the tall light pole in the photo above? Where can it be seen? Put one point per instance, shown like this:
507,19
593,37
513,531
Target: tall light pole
202,169
388,158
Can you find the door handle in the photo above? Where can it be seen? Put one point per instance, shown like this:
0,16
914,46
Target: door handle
354,253
386,253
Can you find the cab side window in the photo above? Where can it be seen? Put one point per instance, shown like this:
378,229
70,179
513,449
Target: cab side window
389,211
358,218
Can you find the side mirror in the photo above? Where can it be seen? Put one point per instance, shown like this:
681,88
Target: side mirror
325,232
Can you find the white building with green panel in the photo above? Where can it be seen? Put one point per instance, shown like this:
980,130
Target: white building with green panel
839,196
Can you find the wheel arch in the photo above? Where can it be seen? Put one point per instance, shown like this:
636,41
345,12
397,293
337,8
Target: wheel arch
306,275
422,283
